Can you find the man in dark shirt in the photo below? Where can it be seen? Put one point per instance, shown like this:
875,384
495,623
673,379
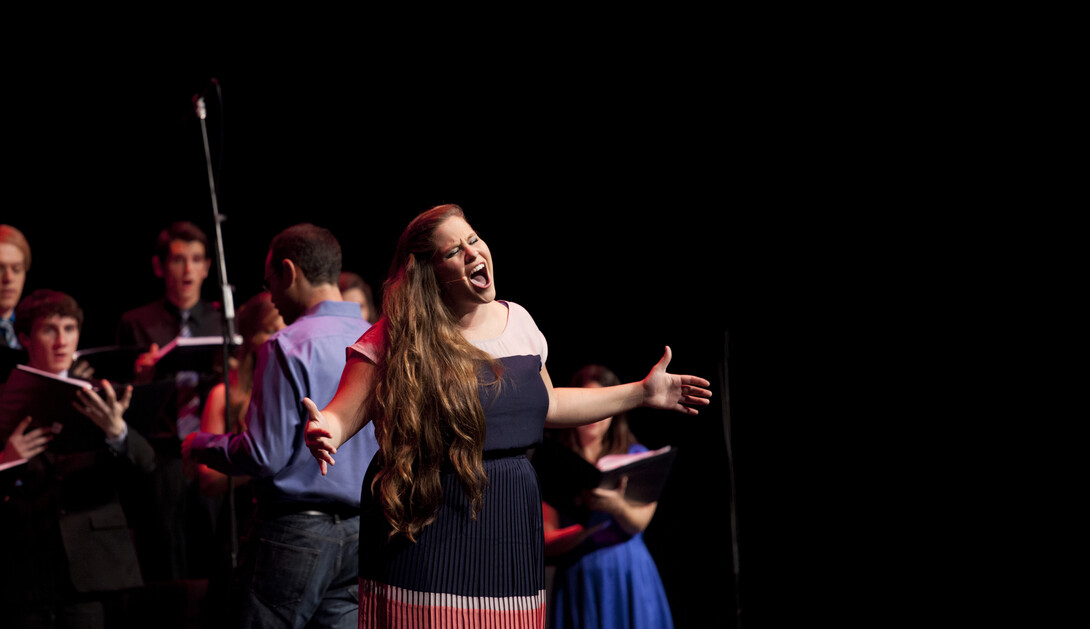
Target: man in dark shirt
176,524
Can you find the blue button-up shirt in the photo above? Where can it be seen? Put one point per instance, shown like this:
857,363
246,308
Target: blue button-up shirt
304,359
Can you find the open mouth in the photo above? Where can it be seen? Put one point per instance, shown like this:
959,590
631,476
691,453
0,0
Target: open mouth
479,276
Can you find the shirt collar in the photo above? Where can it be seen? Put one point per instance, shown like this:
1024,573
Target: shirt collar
334,308
196,313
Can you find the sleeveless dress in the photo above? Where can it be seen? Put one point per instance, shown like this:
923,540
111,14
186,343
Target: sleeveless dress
463,572
609,581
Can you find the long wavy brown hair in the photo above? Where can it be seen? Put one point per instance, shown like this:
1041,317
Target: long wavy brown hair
426,401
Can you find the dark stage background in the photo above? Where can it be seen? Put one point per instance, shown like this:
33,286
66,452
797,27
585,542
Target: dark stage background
623,223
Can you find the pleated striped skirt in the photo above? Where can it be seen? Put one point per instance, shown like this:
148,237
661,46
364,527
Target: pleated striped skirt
461,572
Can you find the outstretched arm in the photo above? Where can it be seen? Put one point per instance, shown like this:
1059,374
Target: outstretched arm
344,416
574,406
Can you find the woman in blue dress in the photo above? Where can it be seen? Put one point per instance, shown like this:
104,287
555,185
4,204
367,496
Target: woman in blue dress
451,530
604,575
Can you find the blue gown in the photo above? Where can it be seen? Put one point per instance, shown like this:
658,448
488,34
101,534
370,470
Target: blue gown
610,581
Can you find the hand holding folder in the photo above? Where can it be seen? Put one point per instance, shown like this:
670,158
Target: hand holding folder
23,444
563,476
140,365
48,400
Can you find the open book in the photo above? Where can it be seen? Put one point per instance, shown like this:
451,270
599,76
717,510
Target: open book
191,353
184,353
112,362
193,343
12,464
563,475
47,398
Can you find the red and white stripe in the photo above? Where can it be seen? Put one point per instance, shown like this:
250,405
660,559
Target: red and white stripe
388,606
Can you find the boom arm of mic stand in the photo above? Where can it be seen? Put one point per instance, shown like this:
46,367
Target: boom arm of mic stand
228,320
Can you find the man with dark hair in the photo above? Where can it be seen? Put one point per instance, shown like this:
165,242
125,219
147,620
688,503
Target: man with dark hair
175,523
183,263
299,564
43,304
70,554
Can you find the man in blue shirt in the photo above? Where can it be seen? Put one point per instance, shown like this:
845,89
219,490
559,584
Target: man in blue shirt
300,562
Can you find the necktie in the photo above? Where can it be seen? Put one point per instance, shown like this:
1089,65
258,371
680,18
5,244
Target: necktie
184,329
9,334
189,419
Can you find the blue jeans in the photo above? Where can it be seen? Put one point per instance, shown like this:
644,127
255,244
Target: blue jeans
300,570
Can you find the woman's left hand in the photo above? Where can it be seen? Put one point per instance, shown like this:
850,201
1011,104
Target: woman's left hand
672,392
610,501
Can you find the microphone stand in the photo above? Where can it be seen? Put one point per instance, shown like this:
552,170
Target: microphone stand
228,319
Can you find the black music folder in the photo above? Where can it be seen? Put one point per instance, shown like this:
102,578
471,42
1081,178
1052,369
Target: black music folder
563,475
112,362
47,398
202,354
191,353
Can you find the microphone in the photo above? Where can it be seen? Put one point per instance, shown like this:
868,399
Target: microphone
211,82
198,100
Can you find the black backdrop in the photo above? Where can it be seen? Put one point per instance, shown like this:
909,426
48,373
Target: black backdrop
623,223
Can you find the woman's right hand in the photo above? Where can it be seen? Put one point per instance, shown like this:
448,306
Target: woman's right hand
318,438
342,418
